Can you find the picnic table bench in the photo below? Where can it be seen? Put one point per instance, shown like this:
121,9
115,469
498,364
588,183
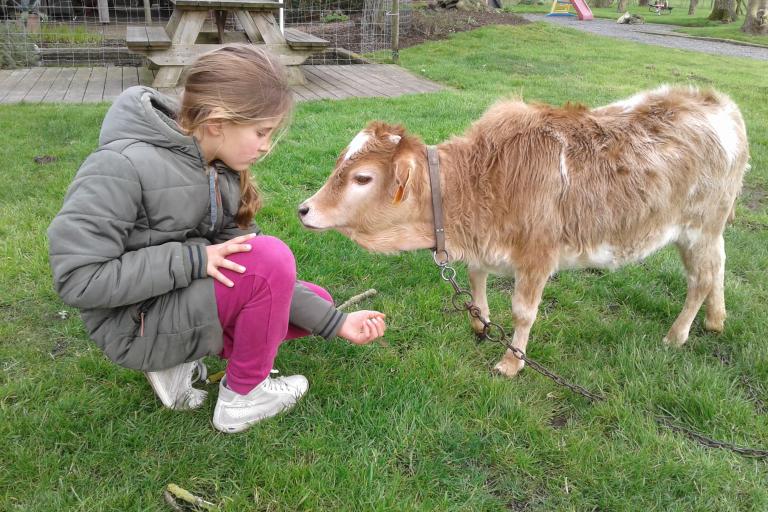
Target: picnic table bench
182,40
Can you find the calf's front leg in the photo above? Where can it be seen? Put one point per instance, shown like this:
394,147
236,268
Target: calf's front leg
478,280
529,285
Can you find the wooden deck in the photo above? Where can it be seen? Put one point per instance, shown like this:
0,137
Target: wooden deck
93,85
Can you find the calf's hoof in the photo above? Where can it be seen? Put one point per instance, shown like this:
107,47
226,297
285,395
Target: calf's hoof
509,368
714,324
674,340
478,328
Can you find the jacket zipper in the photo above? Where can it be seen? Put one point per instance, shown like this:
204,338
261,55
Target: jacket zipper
143,308
220,216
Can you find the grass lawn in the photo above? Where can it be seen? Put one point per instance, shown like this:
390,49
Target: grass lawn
696,25
731,31
420,424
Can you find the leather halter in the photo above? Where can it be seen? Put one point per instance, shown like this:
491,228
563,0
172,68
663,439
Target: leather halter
437,204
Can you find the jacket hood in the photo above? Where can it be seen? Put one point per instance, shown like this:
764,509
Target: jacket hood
144,114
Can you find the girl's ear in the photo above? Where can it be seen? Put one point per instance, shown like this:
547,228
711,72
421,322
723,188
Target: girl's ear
213,127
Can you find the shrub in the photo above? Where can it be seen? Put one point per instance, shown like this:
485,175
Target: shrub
334,16
16,49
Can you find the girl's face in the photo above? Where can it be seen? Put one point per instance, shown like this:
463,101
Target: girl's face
240,145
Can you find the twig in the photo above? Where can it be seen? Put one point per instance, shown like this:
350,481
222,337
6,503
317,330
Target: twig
358,298
184,495
214,377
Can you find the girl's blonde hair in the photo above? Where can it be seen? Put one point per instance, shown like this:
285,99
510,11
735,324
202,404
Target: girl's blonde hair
242,84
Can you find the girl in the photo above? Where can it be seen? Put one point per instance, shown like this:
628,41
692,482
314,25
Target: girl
156,244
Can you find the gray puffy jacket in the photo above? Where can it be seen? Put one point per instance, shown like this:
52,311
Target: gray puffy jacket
127,246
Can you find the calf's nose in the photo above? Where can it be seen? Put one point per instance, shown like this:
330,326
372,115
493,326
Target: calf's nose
303,210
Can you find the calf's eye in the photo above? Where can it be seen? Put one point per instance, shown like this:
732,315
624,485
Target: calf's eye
362,180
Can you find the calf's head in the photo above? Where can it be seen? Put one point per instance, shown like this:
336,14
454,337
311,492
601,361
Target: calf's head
378,194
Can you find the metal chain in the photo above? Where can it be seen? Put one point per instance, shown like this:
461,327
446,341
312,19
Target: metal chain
448,274
712,443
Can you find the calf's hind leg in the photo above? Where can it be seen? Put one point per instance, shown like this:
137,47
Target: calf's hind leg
704,262
715,319
529,284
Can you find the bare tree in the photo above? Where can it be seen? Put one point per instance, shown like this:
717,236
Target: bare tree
723,10
756,19
692,7
622,6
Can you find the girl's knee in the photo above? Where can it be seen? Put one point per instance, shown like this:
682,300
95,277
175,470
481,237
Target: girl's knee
268,256
272,249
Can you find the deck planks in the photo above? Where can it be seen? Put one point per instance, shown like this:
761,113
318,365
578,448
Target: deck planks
97,84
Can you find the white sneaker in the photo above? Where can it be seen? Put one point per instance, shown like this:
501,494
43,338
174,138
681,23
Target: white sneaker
235,412
174,386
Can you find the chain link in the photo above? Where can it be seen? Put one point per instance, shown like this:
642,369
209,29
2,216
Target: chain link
460,303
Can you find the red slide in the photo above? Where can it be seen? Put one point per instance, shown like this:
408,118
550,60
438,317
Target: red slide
582,9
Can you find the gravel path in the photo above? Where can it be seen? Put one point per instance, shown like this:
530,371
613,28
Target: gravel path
661,35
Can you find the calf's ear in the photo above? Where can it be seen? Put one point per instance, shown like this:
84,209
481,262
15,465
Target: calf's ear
403,165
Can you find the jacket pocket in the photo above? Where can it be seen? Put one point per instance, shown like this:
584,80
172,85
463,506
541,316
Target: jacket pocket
140,313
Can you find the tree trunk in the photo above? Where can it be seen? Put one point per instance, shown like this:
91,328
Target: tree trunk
622,6
642,3
756,20
724,10
692,7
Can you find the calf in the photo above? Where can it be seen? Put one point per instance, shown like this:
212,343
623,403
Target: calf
531,189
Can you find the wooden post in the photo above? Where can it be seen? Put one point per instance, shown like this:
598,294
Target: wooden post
103,11
221,19
395,31
147,12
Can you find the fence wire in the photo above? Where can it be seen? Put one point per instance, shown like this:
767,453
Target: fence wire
92,32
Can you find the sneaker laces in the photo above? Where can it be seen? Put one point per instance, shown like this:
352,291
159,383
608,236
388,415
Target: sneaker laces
277,384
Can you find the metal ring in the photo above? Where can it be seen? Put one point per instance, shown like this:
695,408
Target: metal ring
442,262
474,311
451,273
489,327
456,296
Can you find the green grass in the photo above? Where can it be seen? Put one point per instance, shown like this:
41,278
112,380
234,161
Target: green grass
731,31
420,424
696,25
63,33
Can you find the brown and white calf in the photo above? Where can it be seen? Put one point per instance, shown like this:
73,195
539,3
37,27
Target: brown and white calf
531,189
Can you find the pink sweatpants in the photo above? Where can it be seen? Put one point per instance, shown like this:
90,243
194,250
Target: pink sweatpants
254,312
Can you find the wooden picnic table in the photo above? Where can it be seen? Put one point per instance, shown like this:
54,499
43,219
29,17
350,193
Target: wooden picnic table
181,41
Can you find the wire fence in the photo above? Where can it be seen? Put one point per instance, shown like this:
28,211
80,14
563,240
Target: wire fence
93,32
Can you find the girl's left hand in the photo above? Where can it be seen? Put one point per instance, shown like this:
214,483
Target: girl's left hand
362,327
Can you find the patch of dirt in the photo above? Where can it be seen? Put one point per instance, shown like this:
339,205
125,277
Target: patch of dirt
437,24
558,421
753,197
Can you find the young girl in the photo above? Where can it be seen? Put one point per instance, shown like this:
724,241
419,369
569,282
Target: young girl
156,243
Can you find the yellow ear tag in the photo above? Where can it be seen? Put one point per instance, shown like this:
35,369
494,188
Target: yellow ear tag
399,194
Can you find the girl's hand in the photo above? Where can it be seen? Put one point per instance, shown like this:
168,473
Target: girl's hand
362,327
217,257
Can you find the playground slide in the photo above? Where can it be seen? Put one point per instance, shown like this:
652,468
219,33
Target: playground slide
582,9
